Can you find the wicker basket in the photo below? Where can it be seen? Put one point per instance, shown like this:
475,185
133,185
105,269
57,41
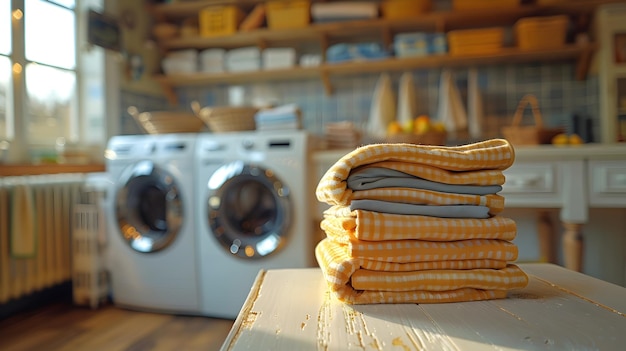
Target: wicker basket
164,122
226,118
479,41
541,32
518,134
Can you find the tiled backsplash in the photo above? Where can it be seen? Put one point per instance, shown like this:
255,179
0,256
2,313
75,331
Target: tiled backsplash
560,95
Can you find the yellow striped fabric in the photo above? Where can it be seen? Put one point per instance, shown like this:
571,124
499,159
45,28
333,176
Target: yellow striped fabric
428,197
403,251
510,277
341,257
339,269
418,266
354,297
376,226
494,154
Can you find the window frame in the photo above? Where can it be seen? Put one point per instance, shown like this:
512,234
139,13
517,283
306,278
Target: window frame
20,140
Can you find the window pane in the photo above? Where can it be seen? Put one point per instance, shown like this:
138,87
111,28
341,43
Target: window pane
6,99
51,104
5,27
50,34
92,96
67,3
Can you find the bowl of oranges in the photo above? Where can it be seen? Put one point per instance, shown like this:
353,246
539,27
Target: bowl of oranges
420,130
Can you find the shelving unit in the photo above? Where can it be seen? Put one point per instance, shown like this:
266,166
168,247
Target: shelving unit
328,33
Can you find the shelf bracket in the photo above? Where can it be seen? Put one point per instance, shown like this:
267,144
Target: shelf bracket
169,93
328,87
261,44
583,63
440,25
387,36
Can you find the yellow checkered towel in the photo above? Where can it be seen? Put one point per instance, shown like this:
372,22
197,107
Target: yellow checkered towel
443,283
403,251
494,154
377,226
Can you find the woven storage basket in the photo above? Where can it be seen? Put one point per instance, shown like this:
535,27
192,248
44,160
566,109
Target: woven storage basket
479,41
518,134
164,122
228,119
541,32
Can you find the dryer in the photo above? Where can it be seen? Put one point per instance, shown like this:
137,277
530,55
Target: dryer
151,253
253,212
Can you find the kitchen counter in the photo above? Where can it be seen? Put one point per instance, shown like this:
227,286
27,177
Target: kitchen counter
572,179
560,309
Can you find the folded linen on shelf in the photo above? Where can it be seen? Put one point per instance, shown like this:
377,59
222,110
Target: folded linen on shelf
375,226
279,118
444,285
494,154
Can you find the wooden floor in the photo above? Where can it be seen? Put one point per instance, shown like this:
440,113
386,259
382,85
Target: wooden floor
65,327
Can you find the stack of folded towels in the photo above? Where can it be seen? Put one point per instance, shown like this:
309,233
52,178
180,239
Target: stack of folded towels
418,224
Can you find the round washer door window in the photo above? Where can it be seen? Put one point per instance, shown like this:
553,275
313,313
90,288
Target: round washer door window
149,207
248,210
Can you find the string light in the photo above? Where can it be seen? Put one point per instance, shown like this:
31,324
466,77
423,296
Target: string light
18,14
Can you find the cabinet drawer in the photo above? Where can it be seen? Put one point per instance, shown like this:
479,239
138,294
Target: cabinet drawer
527,177
532,184
607,183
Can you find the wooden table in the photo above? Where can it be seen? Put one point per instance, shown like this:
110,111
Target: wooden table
560,309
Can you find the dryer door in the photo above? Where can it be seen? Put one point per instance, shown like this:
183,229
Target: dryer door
248,210
149,207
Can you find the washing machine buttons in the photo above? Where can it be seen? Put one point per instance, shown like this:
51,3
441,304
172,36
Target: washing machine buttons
247,144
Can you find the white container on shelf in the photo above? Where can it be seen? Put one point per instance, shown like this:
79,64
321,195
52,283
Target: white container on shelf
212,60
180,62
276,58
243,59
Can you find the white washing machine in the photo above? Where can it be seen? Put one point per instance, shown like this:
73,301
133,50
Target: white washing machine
151,254
253,212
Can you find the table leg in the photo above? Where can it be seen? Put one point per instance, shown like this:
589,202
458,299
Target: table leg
545,233
573,246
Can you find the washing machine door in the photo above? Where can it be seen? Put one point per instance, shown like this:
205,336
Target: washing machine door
248,210
149,207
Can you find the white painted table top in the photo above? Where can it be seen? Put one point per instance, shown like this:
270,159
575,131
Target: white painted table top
291,309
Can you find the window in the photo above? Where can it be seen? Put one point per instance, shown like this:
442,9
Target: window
48,79
6,85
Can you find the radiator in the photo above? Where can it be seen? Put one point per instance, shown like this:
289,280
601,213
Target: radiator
90,278
35,239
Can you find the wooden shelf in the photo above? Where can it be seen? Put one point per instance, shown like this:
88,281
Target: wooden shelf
183,9
329,70
435,21
328,33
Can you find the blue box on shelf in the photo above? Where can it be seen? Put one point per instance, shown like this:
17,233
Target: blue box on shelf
419,44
